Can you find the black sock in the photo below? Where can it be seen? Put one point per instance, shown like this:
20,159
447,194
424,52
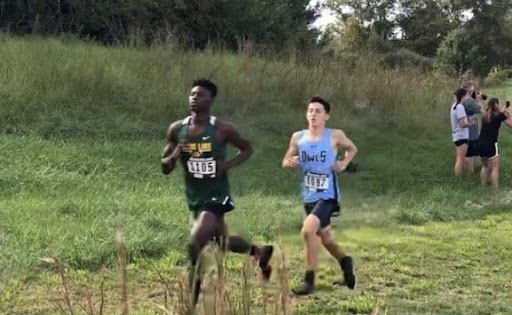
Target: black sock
254,250
308,284
309,278
193,253
194,284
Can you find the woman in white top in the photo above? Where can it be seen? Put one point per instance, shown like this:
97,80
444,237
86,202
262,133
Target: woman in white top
460,131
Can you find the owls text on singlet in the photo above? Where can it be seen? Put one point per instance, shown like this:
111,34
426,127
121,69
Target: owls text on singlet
316,160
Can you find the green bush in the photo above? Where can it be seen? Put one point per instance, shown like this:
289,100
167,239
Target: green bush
497,76
407,58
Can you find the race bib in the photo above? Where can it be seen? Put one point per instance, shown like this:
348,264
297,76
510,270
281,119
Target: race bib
316,182
202,168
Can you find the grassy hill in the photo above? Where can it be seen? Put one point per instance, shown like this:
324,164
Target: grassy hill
82,127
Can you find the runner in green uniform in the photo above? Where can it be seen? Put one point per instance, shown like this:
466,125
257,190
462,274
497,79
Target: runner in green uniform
199,141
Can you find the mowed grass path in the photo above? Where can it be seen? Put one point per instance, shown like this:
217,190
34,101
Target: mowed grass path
67,198
64,198
436,268
439,268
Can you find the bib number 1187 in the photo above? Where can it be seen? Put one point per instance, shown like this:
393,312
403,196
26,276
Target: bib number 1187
316,181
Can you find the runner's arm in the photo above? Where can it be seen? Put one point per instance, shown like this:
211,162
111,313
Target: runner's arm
242,144
171,151
342,141
291,158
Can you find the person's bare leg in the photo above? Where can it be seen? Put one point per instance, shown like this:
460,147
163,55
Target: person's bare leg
205,229
346,262
262,254
309,231
330,244
484,171
460,155
495,171
468,164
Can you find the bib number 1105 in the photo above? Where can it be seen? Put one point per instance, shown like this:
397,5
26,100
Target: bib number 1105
200,168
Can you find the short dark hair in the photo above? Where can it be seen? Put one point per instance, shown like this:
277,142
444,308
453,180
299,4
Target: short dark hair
459,94
318,99
207,84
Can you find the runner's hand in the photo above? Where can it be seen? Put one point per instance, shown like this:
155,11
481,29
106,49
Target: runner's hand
293,161
339,166
176,153
171,159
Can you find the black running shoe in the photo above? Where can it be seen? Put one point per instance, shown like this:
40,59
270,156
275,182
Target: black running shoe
347,266
307,285
194,282
305,289
264,255
265,273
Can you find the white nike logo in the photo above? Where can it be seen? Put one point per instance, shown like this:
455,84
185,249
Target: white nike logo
206,138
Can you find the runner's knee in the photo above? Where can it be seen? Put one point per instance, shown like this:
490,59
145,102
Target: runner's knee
310,227
306,233
326,237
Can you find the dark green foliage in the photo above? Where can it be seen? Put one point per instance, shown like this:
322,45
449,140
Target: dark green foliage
193,23
465,35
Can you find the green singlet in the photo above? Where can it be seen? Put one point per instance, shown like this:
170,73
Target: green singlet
199,156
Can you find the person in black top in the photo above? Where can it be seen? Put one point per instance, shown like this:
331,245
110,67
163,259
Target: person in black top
488,140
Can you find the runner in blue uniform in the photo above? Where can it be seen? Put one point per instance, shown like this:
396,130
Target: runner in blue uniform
315,152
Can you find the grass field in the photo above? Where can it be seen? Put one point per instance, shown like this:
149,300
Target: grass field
82,127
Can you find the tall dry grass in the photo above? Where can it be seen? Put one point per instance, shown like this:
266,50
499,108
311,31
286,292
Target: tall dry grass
84,90
224,290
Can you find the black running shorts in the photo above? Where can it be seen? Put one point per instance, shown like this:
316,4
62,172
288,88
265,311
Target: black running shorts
472,148
488,150
460,142
323,210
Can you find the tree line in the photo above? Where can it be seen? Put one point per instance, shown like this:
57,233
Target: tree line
453,36
192,23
